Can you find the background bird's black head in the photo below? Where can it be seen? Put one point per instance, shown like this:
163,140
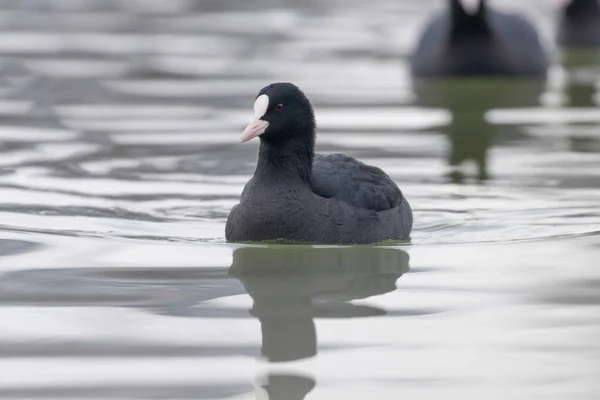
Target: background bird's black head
578,10
466,25
289,113
473,46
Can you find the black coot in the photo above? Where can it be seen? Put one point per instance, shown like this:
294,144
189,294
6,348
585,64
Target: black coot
486,42
579,24
296,195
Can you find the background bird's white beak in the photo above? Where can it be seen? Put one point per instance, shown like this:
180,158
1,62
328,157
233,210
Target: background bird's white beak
255,128
470,6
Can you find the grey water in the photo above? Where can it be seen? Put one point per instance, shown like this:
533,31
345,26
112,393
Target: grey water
119,162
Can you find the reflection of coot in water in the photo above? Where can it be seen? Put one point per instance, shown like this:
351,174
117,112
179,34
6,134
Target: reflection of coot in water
583,69
287,387
290,285
468,99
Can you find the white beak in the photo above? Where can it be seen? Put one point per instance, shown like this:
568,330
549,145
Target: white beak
255,128
258,126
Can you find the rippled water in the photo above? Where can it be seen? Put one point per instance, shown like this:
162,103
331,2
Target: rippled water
119,161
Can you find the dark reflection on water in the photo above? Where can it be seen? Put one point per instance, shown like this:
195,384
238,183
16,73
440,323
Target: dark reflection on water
470,136
291,286
583,68
574,292
581,91
287,387
146,391
11,247
122,287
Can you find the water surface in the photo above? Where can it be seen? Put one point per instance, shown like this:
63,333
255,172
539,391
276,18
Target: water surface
119,162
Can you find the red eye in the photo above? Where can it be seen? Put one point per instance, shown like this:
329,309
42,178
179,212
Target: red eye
279,107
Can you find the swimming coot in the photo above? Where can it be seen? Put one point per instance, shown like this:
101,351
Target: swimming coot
579,24
296,195
486,42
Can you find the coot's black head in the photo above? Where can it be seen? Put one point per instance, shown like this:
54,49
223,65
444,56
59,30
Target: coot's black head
281,112
578,10
469,26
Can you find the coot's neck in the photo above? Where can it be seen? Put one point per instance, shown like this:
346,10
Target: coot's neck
290,160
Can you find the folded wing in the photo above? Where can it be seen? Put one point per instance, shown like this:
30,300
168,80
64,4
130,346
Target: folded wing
344,178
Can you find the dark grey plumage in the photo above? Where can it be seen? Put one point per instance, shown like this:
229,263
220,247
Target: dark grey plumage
579,24
339,176
486,42
298,196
